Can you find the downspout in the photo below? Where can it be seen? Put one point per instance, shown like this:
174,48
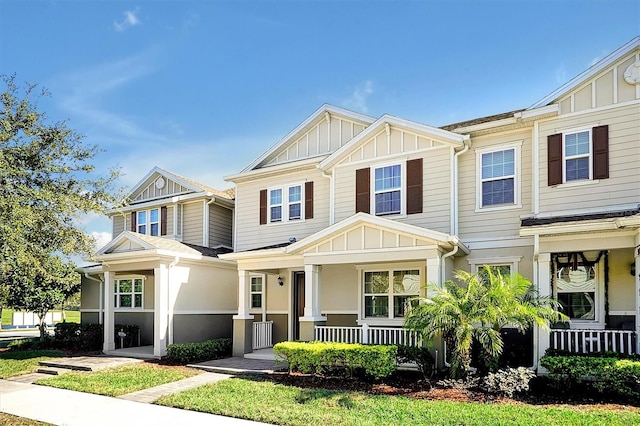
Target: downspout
453,240
454,195
100,301
170,302
331,194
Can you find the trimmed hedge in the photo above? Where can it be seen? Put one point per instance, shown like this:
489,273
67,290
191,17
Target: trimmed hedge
184,353
83,337
606,375
377,361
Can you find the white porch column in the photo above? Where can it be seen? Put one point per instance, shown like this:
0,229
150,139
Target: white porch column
434,265
109,339
312,310
544,290
160,310
244,294
243,321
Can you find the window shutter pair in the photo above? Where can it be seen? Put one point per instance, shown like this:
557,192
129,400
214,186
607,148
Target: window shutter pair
308,203
413,188
163,221
600,155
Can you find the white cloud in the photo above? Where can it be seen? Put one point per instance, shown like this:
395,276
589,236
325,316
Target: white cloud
130,20
101,238
561,74
359,95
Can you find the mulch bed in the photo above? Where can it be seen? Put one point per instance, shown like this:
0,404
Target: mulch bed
411,385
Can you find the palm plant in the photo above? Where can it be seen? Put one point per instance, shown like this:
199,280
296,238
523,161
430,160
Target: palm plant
476,310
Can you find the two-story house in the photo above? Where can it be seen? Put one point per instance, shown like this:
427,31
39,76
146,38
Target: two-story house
161,271
347,217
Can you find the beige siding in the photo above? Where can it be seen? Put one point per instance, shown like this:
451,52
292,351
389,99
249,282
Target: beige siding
621,282
497,256
249,232
170,210
220,220
149,191
89,294
118,225
205,289
193,225
492,223
623,185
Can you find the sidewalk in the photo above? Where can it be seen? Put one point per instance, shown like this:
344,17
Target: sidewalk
70,408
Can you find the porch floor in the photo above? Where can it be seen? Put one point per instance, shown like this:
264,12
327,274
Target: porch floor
139,352
266,354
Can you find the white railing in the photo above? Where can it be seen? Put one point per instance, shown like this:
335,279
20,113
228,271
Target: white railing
586,341
262,334
367,334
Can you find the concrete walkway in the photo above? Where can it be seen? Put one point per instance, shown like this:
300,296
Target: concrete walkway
151,394
70,408
237,365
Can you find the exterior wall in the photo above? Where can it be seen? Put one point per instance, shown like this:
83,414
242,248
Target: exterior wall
89,294
621,282
339,289
118,224
203,289
196,328
193,223
474,223
144,320
89,318
170,211
148,190
280,327
220,226
500,256
252,235
623,185
606,88
338,320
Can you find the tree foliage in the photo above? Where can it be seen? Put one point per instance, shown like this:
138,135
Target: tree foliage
476,309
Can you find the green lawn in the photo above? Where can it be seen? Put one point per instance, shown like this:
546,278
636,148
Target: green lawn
72,316
9,420
120,380
23,362
286,405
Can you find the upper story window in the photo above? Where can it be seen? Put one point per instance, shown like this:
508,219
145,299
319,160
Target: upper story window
388,293
498,177
286,203
578,155
148,222
388,190
275,205
128,292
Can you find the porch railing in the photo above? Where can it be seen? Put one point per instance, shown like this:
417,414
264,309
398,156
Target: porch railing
367,335
262,334
586,341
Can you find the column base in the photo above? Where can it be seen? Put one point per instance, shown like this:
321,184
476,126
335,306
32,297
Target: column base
242,335
307,327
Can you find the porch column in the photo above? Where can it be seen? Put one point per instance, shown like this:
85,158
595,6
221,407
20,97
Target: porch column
160,310
108,322
434,266
312,312
544,289
243,322
636,258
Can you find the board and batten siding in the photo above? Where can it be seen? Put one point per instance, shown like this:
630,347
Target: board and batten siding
490,223
193,222
623,185
220,226
250,234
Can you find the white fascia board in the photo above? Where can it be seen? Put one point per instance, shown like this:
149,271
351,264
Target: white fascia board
124,235
442,135
167,175
567,228
538,112
589,73
254,254
292,166
90,269
162,202
318,114
632,221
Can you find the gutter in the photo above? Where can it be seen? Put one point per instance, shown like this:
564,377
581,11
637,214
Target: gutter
454,184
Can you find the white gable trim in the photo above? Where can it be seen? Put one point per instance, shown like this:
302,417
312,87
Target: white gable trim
166,175
124,236
318,114
442,135
589,73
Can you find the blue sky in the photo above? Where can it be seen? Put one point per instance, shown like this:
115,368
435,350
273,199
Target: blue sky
202,88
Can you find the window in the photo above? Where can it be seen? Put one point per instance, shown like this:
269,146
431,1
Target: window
388,190
148,222
506,265
128,293
388,294
504,270
576,291
285,204
577,155
498,177
256,292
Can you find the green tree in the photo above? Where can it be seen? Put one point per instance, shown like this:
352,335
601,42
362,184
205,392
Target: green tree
476,309
4,298
47,183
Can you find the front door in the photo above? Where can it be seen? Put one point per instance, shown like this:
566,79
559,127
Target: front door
298,302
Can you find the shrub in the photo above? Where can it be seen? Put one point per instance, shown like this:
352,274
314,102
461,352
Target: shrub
132,332
183,353
84,337
321,357
508,381
421,356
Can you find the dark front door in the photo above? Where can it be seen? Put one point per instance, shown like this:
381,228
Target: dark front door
298,302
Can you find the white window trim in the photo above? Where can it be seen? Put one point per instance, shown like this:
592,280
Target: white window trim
598,322
517,176
390,320
403,188
512,261
565,158
262,292
147,214
117,293
285,204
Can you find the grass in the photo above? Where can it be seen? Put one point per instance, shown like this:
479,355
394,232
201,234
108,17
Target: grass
23,362
7,316
9,420
287,405
120,380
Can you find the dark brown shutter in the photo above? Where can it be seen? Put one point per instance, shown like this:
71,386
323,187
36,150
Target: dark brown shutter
163,220
363,188
263,207
554,163
308,200
414,186
133,222
600,152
